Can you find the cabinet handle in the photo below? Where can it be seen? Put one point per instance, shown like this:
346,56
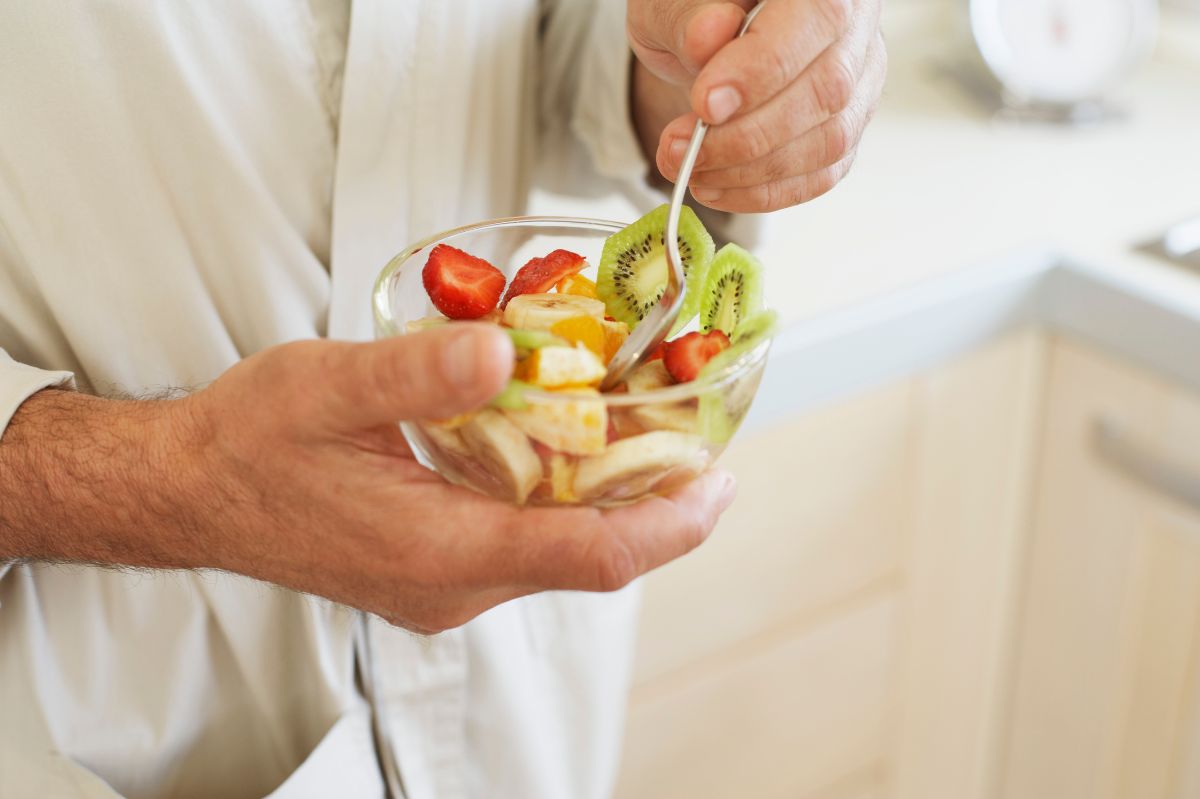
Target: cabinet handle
1138,460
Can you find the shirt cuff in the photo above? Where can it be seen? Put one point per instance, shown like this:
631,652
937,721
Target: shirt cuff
19,382
602,118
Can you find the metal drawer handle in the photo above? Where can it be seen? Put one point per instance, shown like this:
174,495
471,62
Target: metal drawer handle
1138,460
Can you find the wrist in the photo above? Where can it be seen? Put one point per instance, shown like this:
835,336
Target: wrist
95,480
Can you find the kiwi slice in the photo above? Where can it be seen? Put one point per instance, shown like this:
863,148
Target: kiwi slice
534,339
731,291
512,396
754,329
721,410
633,266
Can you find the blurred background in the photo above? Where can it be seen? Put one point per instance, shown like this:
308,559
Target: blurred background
965,558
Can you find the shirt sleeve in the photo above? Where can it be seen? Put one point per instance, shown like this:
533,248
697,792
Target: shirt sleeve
583,98
18,382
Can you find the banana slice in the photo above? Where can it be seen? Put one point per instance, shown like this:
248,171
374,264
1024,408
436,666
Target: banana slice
648,377
426,323
680,416
444,438
541,311
632,466
555,367
575,423
502,449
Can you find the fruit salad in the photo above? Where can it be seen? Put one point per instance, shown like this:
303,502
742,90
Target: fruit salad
551,437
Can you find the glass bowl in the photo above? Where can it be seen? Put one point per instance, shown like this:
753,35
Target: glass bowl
548,452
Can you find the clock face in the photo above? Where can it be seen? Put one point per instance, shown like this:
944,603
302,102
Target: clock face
1061,51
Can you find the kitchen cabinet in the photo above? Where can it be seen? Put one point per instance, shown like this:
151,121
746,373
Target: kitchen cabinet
939,589
1106,669
772,659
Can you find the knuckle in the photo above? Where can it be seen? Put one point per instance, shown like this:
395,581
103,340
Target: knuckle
375,380
839,134
819,183
777,168
775,197
755,199
617,566
694,533
833,84
753,141
778,63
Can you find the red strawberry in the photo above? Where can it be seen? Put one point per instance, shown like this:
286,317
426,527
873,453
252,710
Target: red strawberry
540,274
657,352
685,356
461,285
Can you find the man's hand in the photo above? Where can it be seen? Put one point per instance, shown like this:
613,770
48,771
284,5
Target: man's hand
290,468
788,101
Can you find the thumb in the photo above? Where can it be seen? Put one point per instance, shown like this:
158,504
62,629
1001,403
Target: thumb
675,38
705,29
434,374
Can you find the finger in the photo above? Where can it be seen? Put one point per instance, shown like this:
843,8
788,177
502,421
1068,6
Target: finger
429,375
784,39
802,107
593,550
822,146
675,38
777,194
707,29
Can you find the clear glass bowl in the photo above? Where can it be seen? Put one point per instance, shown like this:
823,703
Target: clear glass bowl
654,441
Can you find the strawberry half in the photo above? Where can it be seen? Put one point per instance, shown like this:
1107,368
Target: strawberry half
460,285
685,356
540,274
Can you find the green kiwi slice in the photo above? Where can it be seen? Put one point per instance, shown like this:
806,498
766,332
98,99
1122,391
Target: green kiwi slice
754,329
529,340
512,396
731,291
633,266
722,409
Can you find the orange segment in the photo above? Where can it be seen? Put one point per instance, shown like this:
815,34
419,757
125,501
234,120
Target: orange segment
526,368
585,330
577,284
615,334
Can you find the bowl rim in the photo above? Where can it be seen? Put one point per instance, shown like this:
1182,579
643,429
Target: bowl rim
385,322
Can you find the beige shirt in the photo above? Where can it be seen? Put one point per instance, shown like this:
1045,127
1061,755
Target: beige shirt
183,184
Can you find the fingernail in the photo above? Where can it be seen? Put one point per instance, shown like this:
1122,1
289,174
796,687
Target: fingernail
706,195
675,151
460,360
723,102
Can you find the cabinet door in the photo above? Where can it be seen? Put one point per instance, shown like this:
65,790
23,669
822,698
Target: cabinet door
1108,657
